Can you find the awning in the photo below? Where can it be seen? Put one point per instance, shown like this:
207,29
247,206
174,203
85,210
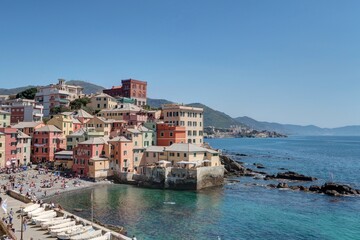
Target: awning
186,163
163,162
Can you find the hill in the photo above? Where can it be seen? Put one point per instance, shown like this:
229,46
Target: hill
211,117
88,87
11,91
156,103
291,129
215,118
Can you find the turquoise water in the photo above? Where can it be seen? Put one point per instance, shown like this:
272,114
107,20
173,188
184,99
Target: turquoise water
241,210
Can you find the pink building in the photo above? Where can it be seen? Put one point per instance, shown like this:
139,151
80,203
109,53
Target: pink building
121,154
85,152
10,147
47,140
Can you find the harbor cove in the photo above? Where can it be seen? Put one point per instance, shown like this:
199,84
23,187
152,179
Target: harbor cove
244,208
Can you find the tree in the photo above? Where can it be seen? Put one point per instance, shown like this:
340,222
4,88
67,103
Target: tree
79,103
27,94
56,110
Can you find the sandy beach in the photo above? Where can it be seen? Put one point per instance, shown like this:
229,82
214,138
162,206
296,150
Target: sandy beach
43,184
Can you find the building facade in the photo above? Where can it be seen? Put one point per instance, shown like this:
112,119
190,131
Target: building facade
168,134
47,140
102,101
189,117
131,88
11,143
25,110
4,118
57,95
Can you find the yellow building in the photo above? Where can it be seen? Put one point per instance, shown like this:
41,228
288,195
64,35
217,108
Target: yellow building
2,149
189,117
64,122
182,155
102,101
101,124
98,167
4,118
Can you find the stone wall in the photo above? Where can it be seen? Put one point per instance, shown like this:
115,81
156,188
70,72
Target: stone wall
210,177
18,196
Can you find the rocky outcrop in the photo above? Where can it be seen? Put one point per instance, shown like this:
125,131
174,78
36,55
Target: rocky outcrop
234,168
289,175
258,165
331,189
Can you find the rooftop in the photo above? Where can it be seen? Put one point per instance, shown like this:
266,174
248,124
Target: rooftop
48,128
97,140
185,147
27,124
155,149
119,139
82,114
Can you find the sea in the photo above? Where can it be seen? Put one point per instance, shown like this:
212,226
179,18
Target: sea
244,208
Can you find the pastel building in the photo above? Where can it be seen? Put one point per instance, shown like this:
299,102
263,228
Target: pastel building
57,95
130,113
47,140
25,110
189,117
2,150
169,134
121,154
130,88
11,143
23,148
81,135
64,122
102,101
182,155
4,118
87,153
136,137
147,136
28,127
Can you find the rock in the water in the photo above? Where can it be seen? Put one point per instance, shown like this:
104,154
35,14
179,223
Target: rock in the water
291,176
314,188
282,185
259,165
341,189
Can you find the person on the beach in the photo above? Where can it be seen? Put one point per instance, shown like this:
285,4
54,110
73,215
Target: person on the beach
24,224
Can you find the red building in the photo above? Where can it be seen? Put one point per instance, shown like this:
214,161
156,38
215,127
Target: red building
86,152
168,135
130,88
46,142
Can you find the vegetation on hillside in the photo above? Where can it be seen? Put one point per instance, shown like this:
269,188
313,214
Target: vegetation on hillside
27,94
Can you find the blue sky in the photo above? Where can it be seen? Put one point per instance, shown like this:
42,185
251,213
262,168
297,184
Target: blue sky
282,61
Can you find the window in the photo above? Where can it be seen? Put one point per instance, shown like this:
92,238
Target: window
194,154
185,155
171,134
125,153
178,154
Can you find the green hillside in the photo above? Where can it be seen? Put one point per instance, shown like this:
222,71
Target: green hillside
88,87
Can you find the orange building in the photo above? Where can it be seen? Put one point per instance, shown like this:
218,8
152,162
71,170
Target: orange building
167,134
122,154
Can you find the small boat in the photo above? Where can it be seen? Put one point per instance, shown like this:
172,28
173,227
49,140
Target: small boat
55,232
87,235
36,211
40,221
44,213
32,207
106,236
67,235
62,225
50,223
48,216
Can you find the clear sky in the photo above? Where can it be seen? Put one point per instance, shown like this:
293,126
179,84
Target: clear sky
282,61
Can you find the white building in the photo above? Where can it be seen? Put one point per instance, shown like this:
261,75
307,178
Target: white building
57,95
